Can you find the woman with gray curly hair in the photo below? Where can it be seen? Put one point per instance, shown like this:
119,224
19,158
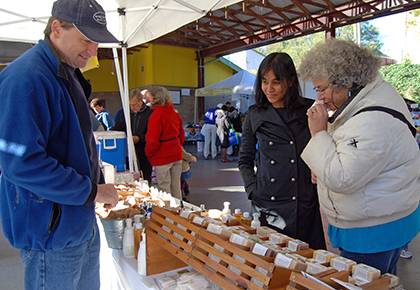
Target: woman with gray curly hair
368,179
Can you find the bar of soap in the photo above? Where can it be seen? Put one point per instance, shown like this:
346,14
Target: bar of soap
365,272
395,281
323,256
265,231
286,261
297,245
342,264
315,268
278,238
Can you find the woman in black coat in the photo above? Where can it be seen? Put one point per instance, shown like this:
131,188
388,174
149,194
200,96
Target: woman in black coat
274,134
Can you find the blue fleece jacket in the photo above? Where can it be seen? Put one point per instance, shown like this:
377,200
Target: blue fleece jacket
45,179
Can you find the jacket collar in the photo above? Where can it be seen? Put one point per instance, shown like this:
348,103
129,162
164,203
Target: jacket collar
54,59
358,101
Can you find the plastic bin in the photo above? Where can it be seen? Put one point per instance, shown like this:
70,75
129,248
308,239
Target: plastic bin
112,148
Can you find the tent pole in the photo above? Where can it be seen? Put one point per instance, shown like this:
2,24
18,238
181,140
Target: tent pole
195,110
132,160
118,71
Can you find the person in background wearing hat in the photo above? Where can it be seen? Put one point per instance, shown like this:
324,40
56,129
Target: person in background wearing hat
48,161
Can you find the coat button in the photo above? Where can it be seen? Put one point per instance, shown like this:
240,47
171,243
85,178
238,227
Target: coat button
272,162
293,197
291,142
273,198
292,161
272,179
293,179
270,143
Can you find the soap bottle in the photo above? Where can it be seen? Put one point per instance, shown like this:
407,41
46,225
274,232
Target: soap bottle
238,214
204,212
246,219
141,256
256,221
226,208
138,229
128,239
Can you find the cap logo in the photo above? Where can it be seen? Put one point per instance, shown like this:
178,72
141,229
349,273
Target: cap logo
99,17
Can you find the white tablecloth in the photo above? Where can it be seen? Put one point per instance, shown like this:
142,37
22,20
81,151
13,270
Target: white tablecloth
119,272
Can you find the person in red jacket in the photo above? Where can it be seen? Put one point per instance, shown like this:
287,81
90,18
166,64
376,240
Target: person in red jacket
164,139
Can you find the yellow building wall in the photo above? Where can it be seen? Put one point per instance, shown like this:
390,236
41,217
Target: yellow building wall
174,66
216,71
153,65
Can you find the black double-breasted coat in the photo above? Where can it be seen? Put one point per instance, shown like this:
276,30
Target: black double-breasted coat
272,141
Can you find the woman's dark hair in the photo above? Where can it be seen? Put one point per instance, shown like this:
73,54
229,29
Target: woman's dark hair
284,69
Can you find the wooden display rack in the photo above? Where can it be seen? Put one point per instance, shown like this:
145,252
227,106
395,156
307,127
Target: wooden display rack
191,244
299,282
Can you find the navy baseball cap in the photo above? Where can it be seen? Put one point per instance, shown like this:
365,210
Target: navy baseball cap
87,16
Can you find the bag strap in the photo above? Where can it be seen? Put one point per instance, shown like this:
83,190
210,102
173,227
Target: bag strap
392,112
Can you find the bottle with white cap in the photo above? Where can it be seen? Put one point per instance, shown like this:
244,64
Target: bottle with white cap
128,239
138,229
226,208
256,220
246,219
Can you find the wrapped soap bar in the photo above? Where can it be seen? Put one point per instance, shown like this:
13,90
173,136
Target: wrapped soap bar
298,257
236,270
278,238
265,231
394,280
323,256
178,235
200,221
256,281
185,213
263,250
315,268
297,245
219,249
365,272
342,264
240,240
286,261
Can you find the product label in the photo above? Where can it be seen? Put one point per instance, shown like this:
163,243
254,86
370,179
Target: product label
259,249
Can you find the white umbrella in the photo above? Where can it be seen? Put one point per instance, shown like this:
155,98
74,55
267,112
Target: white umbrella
133,22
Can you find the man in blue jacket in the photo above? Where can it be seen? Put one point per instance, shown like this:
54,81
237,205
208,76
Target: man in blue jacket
48,161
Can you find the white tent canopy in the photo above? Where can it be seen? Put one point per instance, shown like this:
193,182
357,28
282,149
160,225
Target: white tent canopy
241,83
144,20
133,22
238,86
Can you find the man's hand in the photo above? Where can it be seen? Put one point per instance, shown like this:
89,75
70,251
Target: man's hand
317,118
107,194
136,139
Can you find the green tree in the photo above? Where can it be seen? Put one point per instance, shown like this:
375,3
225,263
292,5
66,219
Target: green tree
297,47
369,36
405,77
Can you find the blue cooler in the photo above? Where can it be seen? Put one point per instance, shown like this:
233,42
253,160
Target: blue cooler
111,146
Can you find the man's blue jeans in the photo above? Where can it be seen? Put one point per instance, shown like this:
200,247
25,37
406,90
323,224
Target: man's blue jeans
384,261
74,268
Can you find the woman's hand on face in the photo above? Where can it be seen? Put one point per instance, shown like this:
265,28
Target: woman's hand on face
317,118
314,179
